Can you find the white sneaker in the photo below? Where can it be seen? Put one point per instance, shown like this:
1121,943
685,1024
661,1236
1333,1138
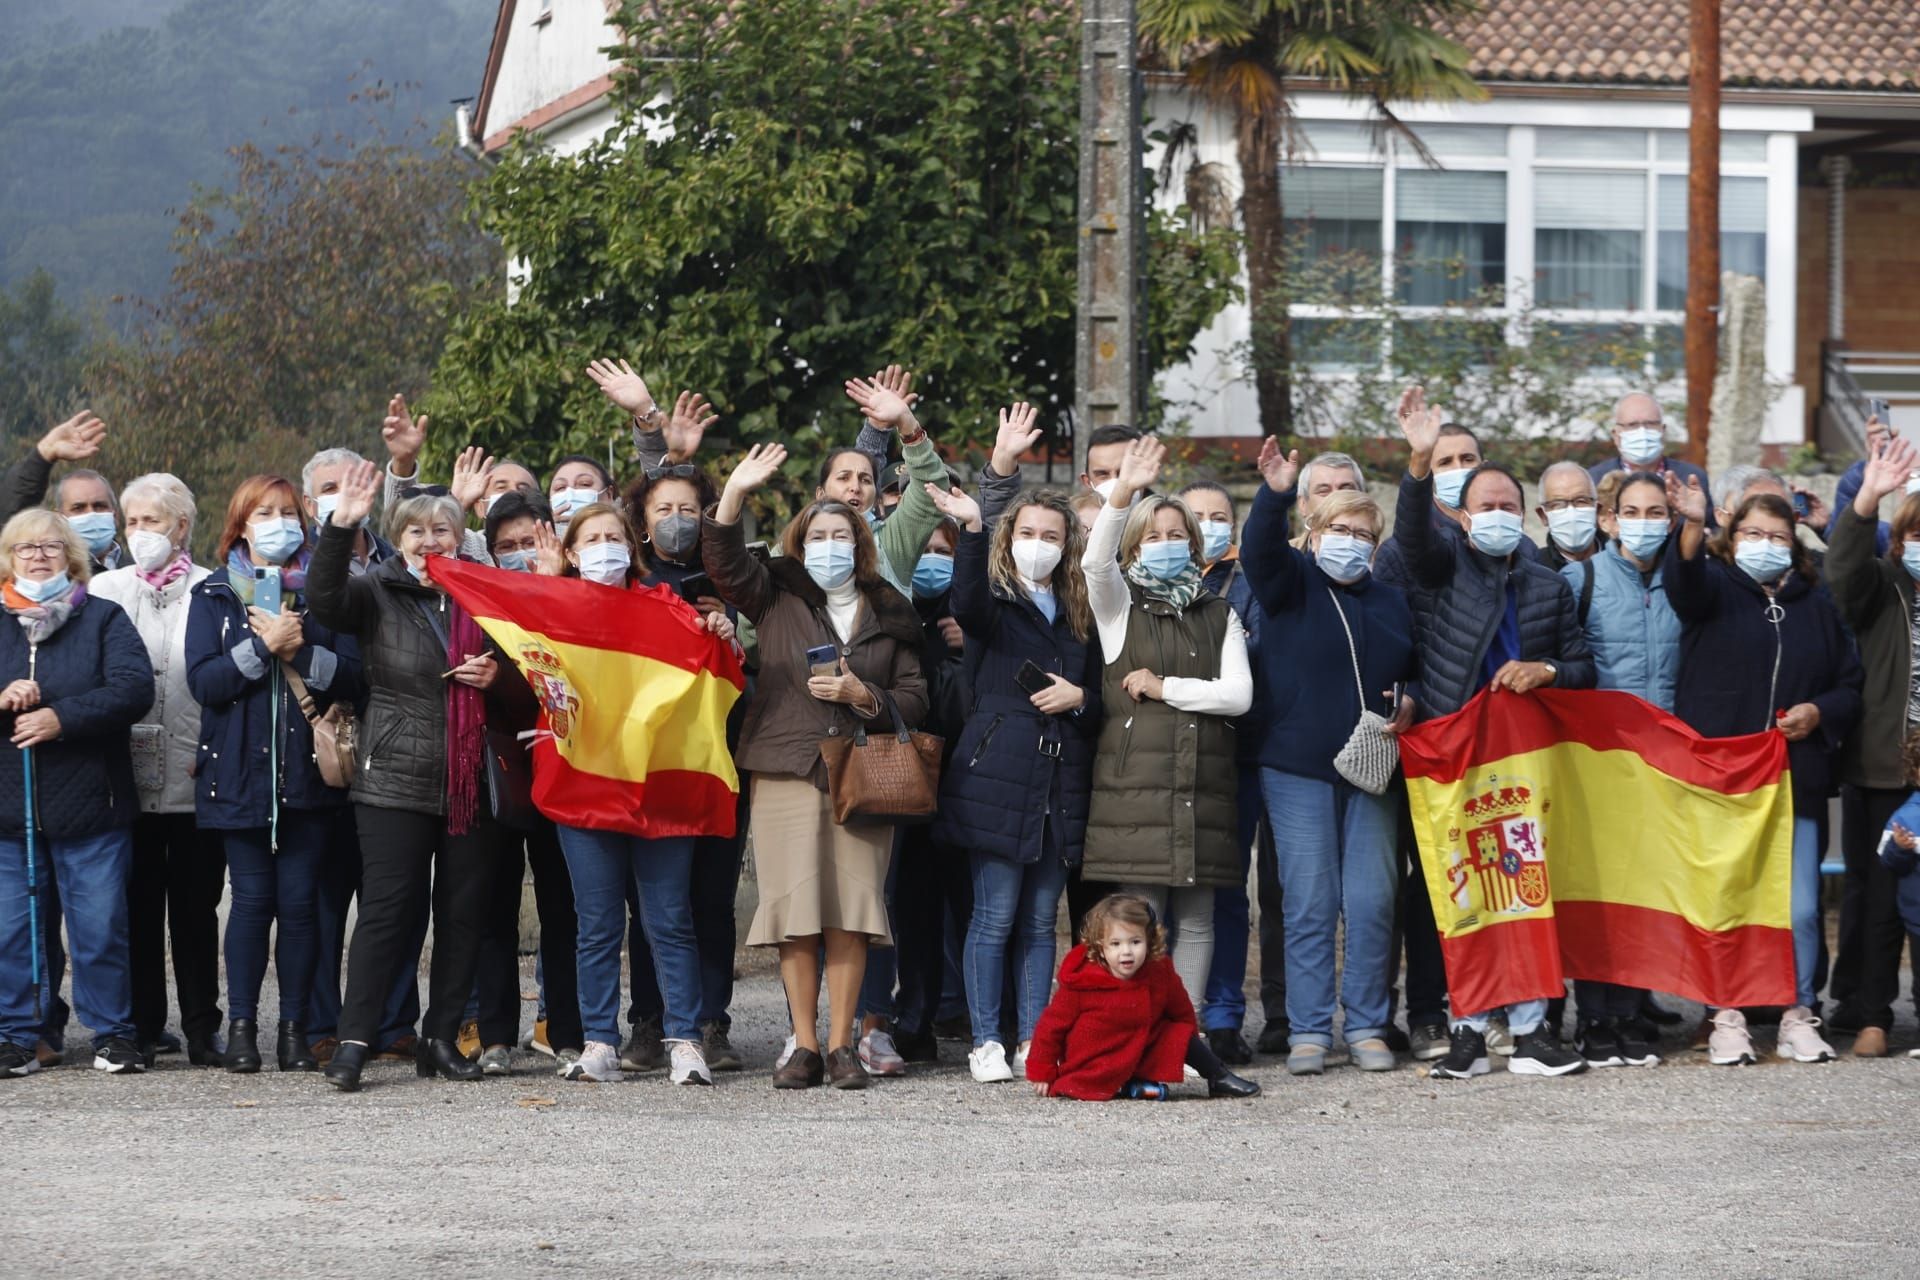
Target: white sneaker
786,1051
1020,1060
988,1063
880,1056
688,1063
1798,1038
1729,1044
599,1064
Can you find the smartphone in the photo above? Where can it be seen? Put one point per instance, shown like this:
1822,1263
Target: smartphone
1878,408
266,589
1031,678
1800,506
696,586
824,660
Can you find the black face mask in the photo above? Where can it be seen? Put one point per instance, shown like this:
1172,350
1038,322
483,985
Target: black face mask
676,536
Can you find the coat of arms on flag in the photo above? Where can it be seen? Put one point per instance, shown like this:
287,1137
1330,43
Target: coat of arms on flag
1498,859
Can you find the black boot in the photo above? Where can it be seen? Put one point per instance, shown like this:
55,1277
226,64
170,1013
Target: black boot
343,1069
243,1047
1221,1083
293,1052
442,1058
205,1050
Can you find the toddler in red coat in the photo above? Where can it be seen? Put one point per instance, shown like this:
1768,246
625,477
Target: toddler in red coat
1121,1021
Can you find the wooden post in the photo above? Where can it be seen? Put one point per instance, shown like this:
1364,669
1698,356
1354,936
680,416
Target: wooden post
1703,222
1109,318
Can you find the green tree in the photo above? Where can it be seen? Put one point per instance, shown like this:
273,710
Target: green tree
43,354
302,294
798,192
1240,54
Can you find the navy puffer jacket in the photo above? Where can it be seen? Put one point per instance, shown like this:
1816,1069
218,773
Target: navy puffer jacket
1458,596
95,674
1019,782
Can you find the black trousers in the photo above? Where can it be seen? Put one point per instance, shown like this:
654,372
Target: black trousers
559,932
935,881
1426,993
405,859
498,981
1866,966
173,889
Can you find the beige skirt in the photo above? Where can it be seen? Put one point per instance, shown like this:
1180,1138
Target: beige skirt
814,874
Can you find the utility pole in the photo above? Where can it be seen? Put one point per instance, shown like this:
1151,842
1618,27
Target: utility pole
1703,221
1109,315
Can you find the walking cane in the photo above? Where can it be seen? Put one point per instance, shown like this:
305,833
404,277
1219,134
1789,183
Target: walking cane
33,876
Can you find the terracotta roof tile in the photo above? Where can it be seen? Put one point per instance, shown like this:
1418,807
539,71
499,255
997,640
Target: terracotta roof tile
1791,44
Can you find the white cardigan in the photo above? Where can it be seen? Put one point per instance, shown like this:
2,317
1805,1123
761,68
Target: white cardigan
165,748
1229,694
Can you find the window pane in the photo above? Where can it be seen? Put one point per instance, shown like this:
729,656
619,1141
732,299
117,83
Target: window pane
1735,148
1332,214
1321,138
1452,231
1743,234
1587,239
1457,140
1590,144
1669,350
1336,345
1603,350
1422,346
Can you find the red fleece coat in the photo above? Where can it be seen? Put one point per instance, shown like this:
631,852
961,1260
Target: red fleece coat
1102,1031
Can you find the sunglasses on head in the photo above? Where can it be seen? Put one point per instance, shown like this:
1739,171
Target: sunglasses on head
675,471
425,491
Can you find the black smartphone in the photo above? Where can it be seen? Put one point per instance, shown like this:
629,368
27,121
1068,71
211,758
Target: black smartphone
1031,678
696,586
823,660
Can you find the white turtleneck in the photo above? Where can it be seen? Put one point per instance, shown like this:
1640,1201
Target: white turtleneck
843,609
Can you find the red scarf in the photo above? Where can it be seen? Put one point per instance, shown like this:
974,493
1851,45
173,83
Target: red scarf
466,722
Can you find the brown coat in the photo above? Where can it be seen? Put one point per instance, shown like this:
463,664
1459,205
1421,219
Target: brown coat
785,723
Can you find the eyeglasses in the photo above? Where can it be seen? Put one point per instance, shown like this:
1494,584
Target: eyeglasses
1350,531
40,550
1748,533
425,491
675,471
1576,504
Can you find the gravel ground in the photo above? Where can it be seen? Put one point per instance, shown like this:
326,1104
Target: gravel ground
1683,1170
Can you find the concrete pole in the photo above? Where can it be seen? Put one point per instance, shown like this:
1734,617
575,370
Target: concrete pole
1109,319
1703,221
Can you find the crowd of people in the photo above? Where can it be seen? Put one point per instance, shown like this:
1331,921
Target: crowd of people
1145,696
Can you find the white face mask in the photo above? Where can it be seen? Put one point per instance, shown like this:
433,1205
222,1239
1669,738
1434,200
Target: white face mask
149,550
605,563
1641,445
1035,559
1572,527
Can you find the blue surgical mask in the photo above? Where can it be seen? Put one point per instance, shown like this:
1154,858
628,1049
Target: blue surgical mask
605,563
932,575
829,564
1447,485
1572,527
1166,560
1215,537
1495,533
1763,561
1910,557
41,592
517,561
1343,558
275,541
873,518
323,508
95,529
1644,538
1642,445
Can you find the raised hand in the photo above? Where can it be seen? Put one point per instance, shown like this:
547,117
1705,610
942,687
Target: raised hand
472,471
1017,435
955,503
1888,467
761,464
358,489
620,384
74,440
1282,471
692,415
1689,499
899,381
884,402
404,435
1139,468
549,558
1419,423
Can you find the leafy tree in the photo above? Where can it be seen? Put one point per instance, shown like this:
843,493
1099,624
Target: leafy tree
303,293
43,353
1239,55
798,192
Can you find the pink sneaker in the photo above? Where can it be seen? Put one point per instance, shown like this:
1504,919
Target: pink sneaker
1729,1045
879,1056
1798,1038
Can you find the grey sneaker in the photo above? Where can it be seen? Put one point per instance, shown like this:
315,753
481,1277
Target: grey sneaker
1307,1060
715,1043
496,1061
566,1058
644,1049
1372,1054
689,1063
1429,1041
1798,1038
599,1064
879,1055
1499,1037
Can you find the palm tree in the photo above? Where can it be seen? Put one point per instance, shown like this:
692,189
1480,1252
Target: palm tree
1239,55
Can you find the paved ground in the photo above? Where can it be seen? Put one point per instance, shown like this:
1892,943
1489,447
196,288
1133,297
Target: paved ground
1682,1170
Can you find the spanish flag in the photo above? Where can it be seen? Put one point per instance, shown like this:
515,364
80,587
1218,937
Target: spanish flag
1592,835
634,694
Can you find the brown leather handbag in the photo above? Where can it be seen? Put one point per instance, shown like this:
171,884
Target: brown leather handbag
884,777
335,733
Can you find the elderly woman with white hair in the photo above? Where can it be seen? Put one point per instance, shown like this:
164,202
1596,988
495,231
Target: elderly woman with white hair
173,891
74,677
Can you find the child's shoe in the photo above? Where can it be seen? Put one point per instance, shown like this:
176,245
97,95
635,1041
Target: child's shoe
1146,1091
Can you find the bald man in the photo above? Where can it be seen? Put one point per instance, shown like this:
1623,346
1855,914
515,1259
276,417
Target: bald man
1640,444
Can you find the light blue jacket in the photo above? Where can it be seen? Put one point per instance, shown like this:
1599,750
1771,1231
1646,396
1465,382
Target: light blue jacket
1633,631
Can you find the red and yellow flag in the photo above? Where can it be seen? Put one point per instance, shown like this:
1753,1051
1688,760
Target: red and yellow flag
1592,835
633,691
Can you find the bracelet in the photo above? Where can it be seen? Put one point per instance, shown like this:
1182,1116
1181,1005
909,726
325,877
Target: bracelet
919,434
655,417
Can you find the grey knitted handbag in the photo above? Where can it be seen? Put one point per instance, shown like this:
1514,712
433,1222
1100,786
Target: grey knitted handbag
1371,754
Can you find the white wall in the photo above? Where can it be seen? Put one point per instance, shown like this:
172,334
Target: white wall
543,62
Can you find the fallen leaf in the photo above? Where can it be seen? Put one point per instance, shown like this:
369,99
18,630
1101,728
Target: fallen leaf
245,1102
528,1100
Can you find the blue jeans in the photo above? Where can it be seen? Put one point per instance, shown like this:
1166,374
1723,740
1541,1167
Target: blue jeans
1225,1008
883,965
716,884
1337,859
93,874
1013,903
339,882
601,865
270,888
1523,1018
1807,933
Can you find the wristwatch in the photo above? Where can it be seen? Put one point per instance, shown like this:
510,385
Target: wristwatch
656,417
1553,672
